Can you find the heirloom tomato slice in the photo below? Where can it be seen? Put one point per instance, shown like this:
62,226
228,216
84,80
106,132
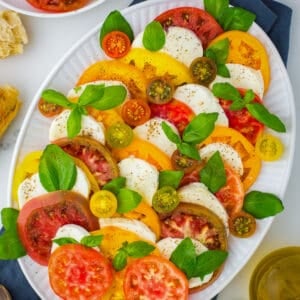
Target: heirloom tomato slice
57,5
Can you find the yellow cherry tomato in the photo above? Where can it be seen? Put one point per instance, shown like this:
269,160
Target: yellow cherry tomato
103,204
269,147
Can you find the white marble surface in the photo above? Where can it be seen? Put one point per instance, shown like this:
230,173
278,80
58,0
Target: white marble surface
50,38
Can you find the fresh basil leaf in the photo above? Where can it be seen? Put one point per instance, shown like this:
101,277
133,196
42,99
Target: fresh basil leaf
237,105
170,178
223,71
138,249
120,260
236,18
249,96
127,200
92,93
262,205
11,246
184,257
216,8
115,21
209,261
218,51
226,91
91,240
213,174
154,36
115,185
9,218
199,128
189,150
74,122
113,96
171,135
57,170
54,97
260,113
64,241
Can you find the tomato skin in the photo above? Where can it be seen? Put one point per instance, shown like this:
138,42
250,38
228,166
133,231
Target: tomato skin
116,44
176,112
135,112
154,277
40,218
242,121
232,193
196,19
79,272
58,5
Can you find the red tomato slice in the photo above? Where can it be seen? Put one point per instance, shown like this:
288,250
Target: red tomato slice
232,193
154,277
176,112
242,121
78,272
195,19
57,5
40,218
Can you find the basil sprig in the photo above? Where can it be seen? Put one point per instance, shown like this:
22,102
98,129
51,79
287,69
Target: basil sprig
170,178
262,205
127,198
193,265
116,21
218,52
230,18
57,170
228,92
95,95
135,249
195,132
10,243
154,36
88,241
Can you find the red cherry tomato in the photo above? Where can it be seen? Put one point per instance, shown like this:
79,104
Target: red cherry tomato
196,19
40,218
154,277
49,109
79,272
58,5
116,44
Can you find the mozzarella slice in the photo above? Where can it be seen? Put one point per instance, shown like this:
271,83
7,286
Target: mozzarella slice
198,193
70,231
169,244
152,132
75,92
141,177
201,100
135,226
243,77
229,155
181,43
89,127
32,187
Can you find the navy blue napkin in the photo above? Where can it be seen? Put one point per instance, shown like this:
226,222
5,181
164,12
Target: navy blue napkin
274,18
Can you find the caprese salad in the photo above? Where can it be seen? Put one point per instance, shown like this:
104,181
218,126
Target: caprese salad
151,159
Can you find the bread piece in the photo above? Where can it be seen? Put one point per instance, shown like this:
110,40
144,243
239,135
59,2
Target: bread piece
9,106
13,35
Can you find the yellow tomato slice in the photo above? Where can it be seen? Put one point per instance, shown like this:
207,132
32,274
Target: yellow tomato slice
269,147
251,161
27,167
130,75
246,49
103,204
144,150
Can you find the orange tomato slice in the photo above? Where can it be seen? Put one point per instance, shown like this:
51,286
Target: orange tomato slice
246,49
251,161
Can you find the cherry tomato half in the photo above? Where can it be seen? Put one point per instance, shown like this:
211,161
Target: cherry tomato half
183,163
119,135
103,204
204,70
242,224
79,272
154,277
116,44
165,199
269,147
135,112
160,90
49,109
